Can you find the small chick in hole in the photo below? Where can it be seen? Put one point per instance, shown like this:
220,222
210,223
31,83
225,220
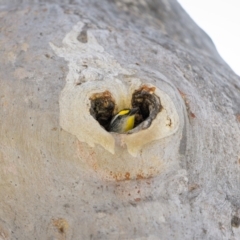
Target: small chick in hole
123,121
145,107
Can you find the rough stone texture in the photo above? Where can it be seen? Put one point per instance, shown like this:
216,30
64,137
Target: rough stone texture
48,188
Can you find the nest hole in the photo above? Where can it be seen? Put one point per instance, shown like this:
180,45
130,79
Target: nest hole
102,108
149,105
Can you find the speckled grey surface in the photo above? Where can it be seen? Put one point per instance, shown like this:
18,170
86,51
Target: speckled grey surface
49,191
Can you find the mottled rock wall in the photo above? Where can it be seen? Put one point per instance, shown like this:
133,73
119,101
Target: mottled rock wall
63,176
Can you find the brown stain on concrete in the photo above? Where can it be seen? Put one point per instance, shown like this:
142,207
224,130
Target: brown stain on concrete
238,117
187,103
61,225
127,176
98,165
192,187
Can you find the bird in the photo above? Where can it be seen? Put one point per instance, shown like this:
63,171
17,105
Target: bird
123,121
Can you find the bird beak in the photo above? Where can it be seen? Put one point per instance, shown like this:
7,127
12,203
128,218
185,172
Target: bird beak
134,111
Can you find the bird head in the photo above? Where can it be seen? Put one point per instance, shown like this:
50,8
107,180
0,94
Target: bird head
123,121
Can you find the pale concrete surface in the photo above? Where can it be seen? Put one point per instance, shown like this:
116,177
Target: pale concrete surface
52,185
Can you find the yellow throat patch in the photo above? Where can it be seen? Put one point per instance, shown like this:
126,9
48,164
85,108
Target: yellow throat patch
129,123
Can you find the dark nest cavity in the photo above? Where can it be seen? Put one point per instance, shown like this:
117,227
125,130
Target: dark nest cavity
149,105
102,107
